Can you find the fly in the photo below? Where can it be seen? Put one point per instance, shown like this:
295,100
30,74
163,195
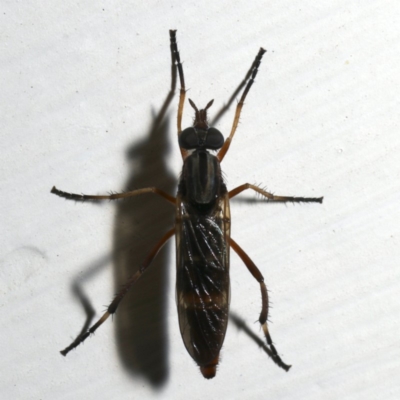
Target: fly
202,231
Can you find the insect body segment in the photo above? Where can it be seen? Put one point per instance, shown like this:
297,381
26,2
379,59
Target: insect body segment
202,279
202,230
202,245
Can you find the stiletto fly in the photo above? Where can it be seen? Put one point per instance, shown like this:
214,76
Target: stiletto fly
202,231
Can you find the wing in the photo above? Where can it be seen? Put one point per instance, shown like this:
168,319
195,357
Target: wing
202,284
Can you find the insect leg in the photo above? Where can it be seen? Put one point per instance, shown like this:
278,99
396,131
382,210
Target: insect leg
226,106
112,308
182,92
254,70
272,197
264,295
114,196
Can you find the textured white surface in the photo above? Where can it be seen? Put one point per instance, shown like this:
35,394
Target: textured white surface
79,83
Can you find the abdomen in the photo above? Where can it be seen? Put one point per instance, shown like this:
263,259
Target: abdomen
202,282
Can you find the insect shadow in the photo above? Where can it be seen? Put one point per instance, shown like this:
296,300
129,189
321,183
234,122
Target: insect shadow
140,323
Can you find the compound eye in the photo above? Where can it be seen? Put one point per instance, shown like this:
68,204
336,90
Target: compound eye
214,140
188,139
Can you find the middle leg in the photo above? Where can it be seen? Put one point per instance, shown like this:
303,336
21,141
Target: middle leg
272,197
114,196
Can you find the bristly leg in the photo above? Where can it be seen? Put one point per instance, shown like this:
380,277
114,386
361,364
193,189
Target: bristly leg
254,70
265,303
182,92
114,196
112,308
272,197
263,344
226,106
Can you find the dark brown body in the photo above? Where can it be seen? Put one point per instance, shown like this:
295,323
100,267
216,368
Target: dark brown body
202,247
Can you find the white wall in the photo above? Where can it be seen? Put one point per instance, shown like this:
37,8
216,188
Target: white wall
79,84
